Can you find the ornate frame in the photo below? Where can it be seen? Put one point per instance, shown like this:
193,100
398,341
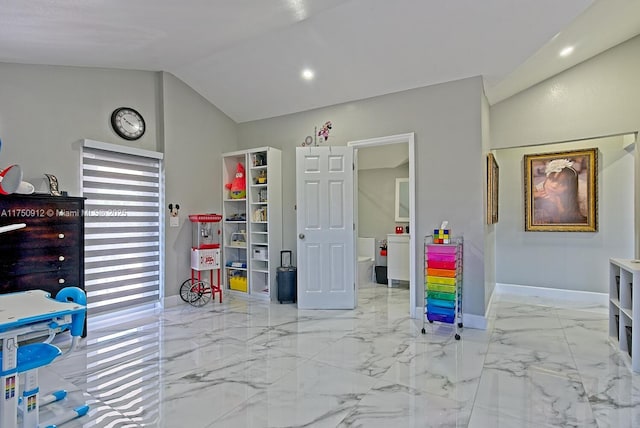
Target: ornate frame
542,210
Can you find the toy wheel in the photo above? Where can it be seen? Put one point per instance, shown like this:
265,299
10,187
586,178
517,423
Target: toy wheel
430,321
424,331
460,325
457,336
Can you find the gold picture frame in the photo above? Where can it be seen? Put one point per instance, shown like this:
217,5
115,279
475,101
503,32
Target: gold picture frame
561,191
492,189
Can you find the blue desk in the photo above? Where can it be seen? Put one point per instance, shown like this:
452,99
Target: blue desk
22,313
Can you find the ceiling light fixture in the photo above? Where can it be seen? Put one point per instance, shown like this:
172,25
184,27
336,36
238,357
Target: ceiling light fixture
307,74
566,51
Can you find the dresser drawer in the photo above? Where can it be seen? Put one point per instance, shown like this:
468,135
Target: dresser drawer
47,259
48,281
41,236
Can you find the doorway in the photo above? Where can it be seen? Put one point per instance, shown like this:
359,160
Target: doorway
409,140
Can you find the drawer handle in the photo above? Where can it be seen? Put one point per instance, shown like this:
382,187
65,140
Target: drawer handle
61,235
61,258
61,281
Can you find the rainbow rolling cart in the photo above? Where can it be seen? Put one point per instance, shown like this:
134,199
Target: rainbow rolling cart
443,280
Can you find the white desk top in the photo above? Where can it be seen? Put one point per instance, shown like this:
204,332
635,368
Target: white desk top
28,307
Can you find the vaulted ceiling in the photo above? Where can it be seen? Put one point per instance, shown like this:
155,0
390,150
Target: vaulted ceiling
246,56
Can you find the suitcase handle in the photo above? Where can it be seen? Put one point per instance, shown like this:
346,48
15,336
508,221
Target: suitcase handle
282,253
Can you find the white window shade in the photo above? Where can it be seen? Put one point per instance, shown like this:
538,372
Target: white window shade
122,229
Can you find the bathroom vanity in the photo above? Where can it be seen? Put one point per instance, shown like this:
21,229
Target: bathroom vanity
397,257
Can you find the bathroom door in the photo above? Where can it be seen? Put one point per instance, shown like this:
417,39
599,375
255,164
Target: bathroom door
325,227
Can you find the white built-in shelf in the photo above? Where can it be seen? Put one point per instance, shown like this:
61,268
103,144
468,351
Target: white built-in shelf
624,308
259,163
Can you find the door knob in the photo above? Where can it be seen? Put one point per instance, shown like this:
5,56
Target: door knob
301,236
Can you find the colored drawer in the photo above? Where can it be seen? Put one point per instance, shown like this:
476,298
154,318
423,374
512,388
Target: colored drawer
441,280
441,272
441,287
438,310
435,264
440,295
441,257
441,249
449,319
451,304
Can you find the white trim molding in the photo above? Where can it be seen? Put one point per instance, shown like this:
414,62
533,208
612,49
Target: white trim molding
409,139
560,295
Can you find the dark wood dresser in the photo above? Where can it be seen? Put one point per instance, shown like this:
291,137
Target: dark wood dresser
49,253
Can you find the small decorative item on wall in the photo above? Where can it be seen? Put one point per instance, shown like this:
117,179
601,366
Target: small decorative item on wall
561,191
323,133
492,189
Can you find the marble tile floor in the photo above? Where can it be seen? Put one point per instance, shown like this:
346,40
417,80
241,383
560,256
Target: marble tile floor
249,363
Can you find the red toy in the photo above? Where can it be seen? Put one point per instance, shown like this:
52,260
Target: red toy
238,186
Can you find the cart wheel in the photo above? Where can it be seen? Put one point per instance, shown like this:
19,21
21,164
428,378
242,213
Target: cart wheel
430,322
196,293
424,331
457,336
203,290
186,293
460,325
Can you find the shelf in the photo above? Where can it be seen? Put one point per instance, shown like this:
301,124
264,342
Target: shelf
261,164
624,287
235,222
236,246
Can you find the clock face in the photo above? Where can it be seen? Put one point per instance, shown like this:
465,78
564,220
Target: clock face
127,123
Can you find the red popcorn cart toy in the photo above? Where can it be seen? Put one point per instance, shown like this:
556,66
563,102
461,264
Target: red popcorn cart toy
205,256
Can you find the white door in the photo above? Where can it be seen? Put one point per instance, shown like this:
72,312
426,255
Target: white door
326,241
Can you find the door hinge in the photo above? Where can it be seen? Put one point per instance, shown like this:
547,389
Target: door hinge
353,167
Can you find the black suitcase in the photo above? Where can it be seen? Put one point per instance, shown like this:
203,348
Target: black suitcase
287,280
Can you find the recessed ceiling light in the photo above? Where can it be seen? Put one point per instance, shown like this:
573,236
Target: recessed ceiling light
307,74
566,51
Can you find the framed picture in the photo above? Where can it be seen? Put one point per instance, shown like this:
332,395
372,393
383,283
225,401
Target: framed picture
561,191
492,189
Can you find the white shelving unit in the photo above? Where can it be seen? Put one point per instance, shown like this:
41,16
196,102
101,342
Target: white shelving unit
259,217
624,308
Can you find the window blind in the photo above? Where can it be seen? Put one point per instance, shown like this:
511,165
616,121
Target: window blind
122,229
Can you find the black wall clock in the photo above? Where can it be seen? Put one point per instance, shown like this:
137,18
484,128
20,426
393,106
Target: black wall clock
128,123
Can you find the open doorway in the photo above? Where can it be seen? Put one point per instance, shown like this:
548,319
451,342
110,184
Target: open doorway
386,154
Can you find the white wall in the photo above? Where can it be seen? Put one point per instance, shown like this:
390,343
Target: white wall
489,229
566,260
196,133
45,111
377,199
446,119
596,98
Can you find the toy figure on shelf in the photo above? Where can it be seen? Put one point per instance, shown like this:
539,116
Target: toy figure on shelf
238,186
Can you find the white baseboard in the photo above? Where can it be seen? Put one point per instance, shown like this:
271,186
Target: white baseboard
171,301
474,321
586,297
